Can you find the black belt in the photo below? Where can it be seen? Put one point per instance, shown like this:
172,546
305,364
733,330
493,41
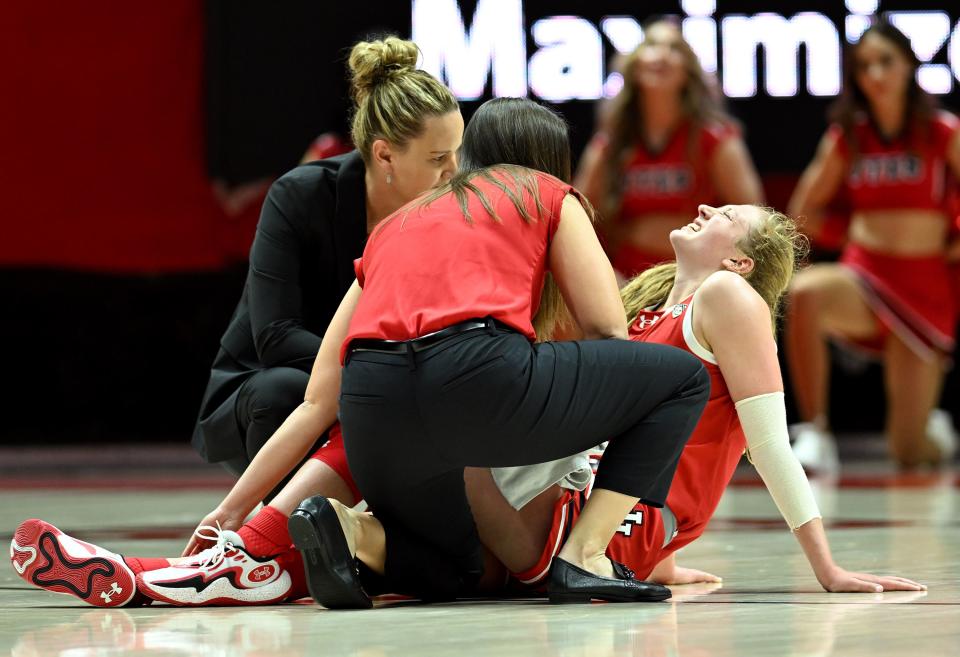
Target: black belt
424,341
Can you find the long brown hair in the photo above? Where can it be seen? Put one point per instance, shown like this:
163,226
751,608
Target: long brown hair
508,136
505,139
701,103
852,102
775,246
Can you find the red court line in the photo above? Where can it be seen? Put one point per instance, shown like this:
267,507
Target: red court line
111,483
890,480
778,524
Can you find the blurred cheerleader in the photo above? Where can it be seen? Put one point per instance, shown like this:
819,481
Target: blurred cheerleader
664,145
896,155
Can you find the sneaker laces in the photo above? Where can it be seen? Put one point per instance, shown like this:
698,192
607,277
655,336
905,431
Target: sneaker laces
213,556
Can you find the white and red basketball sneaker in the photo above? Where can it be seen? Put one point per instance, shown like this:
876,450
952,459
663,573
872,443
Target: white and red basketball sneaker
46,557
225,574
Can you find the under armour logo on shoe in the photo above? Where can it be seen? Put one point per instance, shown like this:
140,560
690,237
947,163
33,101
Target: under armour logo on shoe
260,574
114,590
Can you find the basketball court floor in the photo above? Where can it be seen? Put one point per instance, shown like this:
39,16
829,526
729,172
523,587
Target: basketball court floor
146,502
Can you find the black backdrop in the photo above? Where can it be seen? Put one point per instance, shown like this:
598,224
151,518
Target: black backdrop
277,75
110,358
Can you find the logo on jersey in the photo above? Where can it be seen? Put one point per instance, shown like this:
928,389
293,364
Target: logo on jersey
886,169
678,310
646,321
658,180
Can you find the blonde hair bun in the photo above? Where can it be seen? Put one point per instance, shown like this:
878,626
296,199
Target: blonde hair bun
393,97
372,62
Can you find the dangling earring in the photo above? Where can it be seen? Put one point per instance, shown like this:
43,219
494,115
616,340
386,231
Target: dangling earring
389,179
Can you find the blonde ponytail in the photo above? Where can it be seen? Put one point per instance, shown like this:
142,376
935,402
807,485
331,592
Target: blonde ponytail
648,289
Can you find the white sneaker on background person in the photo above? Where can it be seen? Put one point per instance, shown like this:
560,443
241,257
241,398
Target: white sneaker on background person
943,434
815,448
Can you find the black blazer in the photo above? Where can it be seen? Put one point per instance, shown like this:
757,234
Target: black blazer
312,226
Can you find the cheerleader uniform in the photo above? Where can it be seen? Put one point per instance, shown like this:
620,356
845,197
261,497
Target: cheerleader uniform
912,297
674,180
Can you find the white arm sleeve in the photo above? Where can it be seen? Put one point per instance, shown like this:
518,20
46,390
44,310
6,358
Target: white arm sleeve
764,422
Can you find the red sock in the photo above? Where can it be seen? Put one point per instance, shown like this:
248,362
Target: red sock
143,564
266,534
292,562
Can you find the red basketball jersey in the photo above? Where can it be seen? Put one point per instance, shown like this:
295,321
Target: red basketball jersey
706,465
901,173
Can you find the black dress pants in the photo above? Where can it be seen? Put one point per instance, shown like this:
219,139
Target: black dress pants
263,402
412,422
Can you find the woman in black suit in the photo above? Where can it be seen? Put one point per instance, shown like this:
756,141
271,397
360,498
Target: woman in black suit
407,128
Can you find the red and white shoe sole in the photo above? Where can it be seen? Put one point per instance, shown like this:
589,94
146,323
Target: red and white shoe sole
46,557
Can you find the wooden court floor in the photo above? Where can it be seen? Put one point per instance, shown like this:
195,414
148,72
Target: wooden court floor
769,603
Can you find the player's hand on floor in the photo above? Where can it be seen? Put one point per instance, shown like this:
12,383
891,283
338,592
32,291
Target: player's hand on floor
222,518
845,581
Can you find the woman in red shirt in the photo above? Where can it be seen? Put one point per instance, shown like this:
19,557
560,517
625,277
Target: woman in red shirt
439,348
664,145
897,157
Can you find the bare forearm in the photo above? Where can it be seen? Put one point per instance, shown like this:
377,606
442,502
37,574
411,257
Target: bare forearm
285,449
813,540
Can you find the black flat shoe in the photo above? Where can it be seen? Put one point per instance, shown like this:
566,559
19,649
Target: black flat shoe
331,570
569,584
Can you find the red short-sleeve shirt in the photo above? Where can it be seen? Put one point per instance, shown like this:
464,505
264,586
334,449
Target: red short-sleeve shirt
426,267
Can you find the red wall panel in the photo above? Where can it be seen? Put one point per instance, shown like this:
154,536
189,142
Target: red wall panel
101,127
